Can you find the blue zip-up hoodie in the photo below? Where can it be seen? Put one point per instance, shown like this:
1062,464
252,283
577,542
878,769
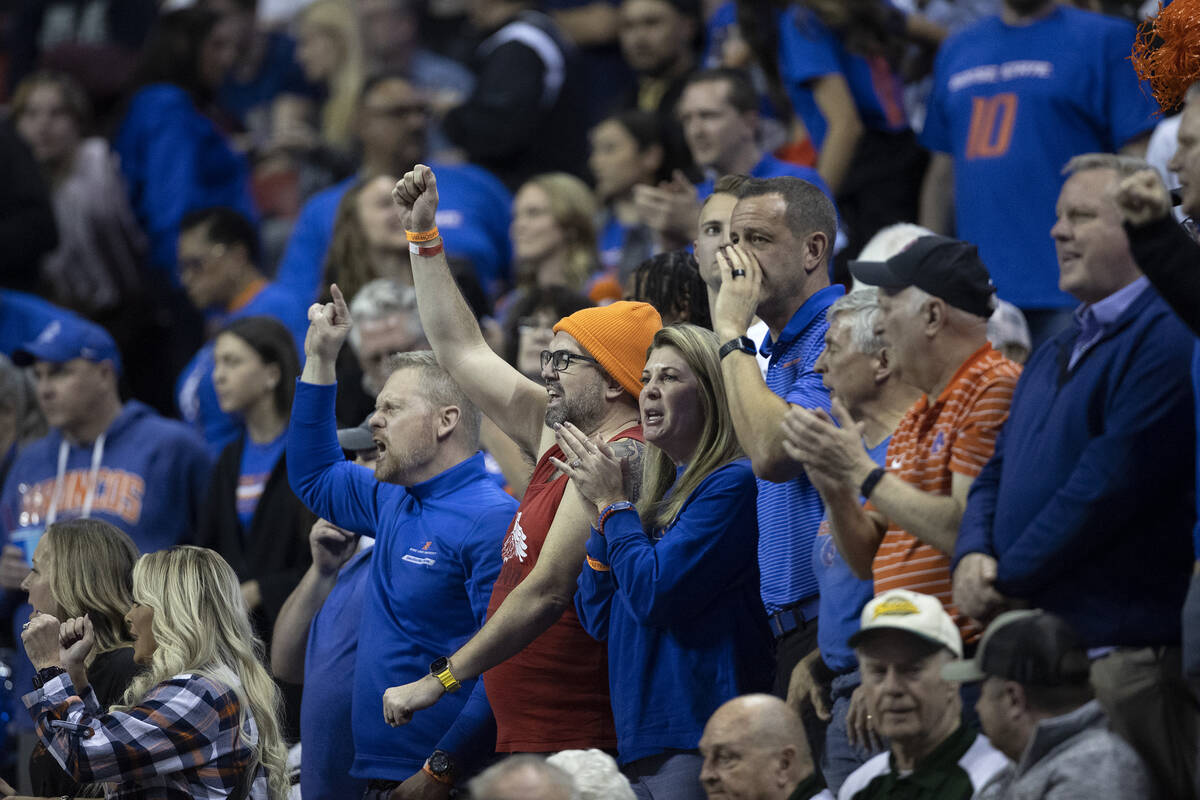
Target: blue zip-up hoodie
1087,501
437,554
682,615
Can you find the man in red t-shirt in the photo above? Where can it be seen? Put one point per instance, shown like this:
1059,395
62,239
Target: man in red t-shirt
546,679
935,298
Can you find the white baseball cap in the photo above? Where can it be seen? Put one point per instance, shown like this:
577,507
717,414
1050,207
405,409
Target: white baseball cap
919,614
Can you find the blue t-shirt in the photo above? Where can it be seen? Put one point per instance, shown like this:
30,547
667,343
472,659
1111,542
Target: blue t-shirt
437,554
842,594
474,212
790,513
1011,105
329,662
257,462
195,394
809,50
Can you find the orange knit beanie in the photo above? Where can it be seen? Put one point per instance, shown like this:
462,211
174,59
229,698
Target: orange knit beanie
618,336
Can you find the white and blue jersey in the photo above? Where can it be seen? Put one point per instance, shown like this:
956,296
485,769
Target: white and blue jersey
1011,105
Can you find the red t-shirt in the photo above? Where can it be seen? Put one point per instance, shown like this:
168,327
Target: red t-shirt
553,695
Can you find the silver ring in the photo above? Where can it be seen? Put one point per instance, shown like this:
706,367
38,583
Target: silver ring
738,273
575,464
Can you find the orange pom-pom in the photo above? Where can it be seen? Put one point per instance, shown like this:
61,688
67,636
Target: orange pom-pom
1166,52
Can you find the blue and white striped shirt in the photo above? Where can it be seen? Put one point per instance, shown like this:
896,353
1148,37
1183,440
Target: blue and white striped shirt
789,514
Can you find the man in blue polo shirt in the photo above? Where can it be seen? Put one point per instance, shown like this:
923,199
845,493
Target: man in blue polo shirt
436,515
1015,96
392,126
782,232
719,112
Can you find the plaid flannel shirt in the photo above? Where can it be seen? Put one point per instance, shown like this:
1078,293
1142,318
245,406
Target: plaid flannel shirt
181,741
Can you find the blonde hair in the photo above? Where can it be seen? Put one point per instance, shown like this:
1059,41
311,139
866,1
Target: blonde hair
337,19
91,572
574,208
718,444
201,626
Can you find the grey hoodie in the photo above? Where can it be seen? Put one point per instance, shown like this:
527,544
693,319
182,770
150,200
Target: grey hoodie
1072,757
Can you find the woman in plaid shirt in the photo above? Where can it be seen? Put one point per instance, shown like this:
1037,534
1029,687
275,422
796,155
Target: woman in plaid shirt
202,721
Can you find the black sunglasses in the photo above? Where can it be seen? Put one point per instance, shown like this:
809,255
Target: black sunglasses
559,360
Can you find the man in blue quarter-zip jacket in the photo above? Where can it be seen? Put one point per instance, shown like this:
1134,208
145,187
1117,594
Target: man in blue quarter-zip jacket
438,519
1085,509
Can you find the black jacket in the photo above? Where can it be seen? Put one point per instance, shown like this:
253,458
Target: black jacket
275,551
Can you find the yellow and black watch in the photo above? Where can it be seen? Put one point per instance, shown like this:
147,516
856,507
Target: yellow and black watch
440,669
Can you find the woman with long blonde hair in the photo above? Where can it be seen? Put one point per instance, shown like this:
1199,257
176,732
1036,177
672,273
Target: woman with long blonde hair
84,567
330,52
671,579
202,721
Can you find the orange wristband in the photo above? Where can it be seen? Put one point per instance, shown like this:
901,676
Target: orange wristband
599,566
423,236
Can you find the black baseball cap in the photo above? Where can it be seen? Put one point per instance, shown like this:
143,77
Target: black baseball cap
357,438
946,268
1031,647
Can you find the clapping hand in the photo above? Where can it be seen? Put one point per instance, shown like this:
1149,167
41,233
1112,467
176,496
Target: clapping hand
591,467
1142,197
828,445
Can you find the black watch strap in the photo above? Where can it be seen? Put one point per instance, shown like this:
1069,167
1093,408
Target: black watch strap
42,676
442,764
742,343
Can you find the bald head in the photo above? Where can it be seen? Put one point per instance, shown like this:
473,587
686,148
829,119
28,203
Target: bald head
523,777
754,747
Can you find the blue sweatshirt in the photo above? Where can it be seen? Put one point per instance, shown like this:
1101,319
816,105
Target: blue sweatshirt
175,160
437,553
681,612
195,394
150,477
1087,501
473,215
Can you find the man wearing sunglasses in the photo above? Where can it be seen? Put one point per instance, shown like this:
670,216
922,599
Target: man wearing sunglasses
545,677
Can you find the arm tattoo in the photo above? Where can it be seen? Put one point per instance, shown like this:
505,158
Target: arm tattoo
630,453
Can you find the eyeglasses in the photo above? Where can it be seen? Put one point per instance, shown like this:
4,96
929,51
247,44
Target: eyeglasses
197,263
560,360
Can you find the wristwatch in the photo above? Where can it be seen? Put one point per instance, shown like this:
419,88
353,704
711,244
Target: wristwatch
743,343
441,766
440,669
43,676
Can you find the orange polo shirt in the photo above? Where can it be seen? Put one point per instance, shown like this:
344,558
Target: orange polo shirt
954,434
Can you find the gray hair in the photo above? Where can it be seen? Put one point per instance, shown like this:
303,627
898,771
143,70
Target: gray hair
860,309
1124,166
440,389
1193,93
379,299
483,786
595,773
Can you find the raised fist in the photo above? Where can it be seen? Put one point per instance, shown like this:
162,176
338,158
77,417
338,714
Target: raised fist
416,197
1143,198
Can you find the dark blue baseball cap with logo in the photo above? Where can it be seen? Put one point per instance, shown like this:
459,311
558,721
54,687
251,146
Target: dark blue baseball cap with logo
947,268
69,338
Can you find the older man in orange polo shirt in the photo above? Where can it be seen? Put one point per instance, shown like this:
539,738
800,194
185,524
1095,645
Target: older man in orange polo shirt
935,299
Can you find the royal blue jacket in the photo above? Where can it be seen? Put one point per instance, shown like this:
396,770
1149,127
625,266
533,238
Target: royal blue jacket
437,553
681,612
1087,501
